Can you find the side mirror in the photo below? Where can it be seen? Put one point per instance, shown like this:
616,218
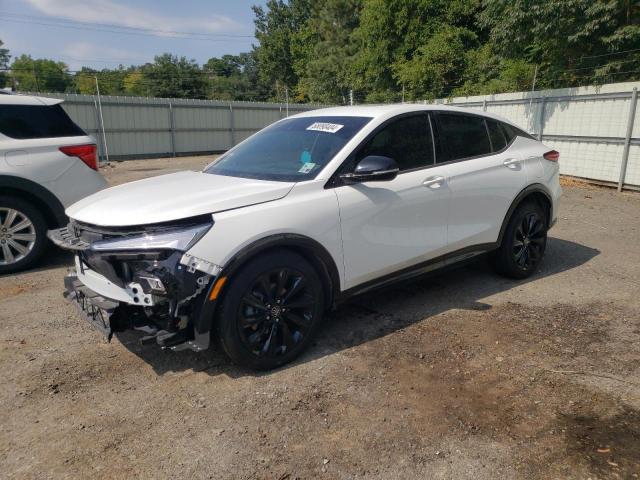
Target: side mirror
373,168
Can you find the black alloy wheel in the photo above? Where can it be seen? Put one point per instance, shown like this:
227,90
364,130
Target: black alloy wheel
523,243
529,241
276,312
270,310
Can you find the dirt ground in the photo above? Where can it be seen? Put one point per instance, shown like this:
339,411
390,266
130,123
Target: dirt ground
462,375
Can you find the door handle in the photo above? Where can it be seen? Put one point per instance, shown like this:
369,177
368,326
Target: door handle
512,163
434,182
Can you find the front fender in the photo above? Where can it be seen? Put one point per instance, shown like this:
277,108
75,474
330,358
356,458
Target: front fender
314,252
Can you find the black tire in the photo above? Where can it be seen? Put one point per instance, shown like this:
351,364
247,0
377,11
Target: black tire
17,253
523,243
270,311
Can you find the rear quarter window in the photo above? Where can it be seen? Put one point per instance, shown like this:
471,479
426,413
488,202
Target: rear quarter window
512,132
36,121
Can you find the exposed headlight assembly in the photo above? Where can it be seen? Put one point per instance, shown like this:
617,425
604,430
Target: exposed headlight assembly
180,239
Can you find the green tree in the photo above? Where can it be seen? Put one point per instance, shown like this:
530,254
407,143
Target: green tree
276,24
252,87
398,41
111,81
40,75
4,64
573,41
436,65
85,81
133,83
173,76
226,66
234,77
323,51
224,76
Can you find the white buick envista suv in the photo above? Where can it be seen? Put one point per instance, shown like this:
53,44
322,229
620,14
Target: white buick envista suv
305,213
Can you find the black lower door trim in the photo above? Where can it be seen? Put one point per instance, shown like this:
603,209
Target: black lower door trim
427,266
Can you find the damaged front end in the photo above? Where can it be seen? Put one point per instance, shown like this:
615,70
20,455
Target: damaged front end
141,278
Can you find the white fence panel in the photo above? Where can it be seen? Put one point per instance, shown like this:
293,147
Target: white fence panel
587,125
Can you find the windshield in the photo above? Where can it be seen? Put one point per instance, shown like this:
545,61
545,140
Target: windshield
291,150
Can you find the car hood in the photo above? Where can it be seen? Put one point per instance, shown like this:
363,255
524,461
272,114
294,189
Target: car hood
173,197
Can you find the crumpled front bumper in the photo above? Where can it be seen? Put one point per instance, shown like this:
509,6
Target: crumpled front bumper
96,309
109,316
66,239
161,292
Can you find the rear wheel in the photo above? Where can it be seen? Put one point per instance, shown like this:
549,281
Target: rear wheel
523,243
270,311
22,234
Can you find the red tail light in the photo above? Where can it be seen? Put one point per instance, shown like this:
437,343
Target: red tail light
86,153
552,156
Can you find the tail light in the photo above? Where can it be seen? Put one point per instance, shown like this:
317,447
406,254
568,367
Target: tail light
552,156
86,153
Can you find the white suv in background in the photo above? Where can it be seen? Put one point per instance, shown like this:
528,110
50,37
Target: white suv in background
305,213
47,163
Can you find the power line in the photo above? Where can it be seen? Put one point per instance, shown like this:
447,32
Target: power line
606,74
451,86
612,53
101,60
602,65
594,67
112,71
104,30
122,27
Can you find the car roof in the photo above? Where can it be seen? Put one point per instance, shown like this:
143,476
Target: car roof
28,100
390,110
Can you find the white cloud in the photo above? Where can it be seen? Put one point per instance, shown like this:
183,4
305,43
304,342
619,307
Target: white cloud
107,11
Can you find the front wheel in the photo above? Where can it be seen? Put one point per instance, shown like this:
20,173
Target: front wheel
523,243
270,311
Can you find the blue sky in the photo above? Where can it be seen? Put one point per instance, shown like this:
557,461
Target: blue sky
25,27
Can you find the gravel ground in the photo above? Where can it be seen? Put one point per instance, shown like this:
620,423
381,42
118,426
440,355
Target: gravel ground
460,375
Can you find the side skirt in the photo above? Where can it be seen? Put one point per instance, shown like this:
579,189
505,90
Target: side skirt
438,263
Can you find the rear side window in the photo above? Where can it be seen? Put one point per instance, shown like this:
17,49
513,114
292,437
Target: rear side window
406,140
512,132
36,121
496,135
464,135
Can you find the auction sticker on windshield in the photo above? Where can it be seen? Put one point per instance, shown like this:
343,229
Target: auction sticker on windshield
307,167
325,127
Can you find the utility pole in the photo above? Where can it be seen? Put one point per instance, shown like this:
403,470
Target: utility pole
627,140
104,136
286,96
535,76
351,97
35,76
533,87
